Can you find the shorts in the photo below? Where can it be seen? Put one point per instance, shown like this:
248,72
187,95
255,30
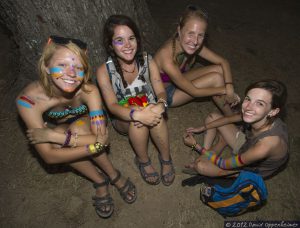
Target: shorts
239,142
170,90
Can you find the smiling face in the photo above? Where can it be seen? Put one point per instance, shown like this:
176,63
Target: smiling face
257,107
124,43
192,34
66,70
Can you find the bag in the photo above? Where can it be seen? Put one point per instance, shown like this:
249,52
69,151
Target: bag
247,191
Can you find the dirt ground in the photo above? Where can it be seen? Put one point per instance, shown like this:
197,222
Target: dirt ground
259,38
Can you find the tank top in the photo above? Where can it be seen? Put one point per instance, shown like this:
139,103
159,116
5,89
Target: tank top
138,86
267,167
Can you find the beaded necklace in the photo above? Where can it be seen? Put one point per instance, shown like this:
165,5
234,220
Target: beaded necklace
82,109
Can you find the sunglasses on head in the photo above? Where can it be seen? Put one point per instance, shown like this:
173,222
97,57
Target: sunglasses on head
195,8
64,40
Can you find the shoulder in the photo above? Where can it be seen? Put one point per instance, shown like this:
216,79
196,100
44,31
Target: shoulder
164,51
102,71
33,94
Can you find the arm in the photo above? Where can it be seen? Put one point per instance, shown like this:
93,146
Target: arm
259,151
32,116
165,62
145,116
45,134
216,123
218,60
158,87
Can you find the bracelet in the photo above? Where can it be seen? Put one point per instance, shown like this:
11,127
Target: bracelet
194,146
96,148
230,83
92,149
68,138
161,100
131,114
75,139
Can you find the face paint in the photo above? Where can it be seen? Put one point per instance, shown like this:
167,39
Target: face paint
80,75
117,42
56,72
25,101
97,117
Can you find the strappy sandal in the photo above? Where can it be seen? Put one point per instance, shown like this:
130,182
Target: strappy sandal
102,203
127,191
141,166
165,178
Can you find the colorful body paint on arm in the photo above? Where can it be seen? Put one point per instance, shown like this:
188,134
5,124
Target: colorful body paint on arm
228,163
97,117
25,101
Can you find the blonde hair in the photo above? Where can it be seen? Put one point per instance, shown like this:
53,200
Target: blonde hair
48,52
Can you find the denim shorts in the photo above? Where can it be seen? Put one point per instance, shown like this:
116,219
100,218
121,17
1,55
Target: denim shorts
170,90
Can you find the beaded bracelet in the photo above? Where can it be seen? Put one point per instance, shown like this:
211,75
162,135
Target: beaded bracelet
96,148
75,139
68,138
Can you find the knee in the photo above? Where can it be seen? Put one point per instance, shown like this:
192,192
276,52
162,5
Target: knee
218,69
218,79
200,166
212,116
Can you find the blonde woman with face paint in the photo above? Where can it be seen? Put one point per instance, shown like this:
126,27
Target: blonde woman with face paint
76,132
135,97
260,146
176,58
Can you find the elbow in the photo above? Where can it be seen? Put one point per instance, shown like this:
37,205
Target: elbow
49,160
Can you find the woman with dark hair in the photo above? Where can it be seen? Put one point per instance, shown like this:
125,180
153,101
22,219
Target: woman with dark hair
261,146
183,81
76,132
135,97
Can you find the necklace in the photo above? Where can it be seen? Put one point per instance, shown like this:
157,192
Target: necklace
127,71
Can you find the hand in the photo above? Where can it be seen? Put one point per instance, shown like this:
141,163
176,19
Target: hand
102,136
196,130
39,135
158,108
147,117
189,139
233,99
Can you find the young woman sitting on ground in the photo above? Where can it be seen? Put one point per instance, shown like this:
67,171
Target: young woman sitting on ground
78,135
176,58
263,145
135,97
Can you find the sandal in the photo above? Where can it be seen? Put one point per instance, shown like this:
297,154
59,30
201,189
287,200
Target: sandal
127,191
104,202
165,178
141,166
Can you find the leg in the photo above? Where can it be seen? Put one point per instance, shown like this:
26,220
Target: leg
103,202
206,168
203,77
139,140
226,133
160,137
